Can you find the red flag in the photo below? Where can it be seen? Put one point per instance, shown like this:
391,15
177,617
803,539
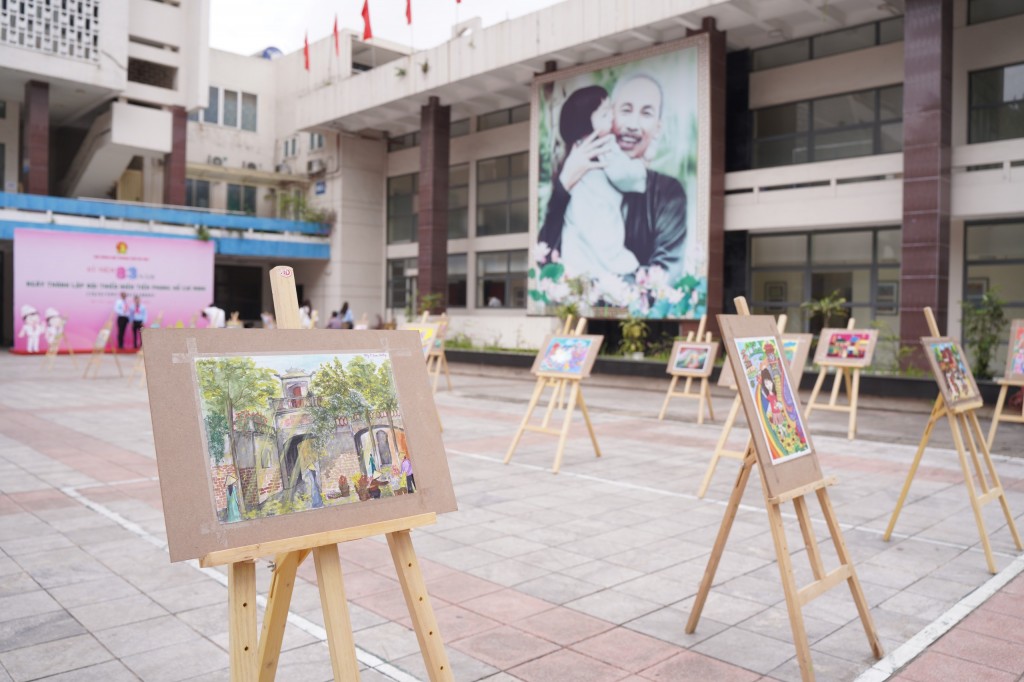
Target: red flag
305,50
367,31
337,48
408,11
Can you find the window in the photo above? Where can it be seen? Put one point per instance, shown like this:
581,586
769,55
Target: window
994,259
987,10
407,141
458,201
242,198
249,111
456,280
231,108
503,117
193,115
403,205
459,128
832,43
997,104
211,114
402,274
501,194
291,147
3,109
316,141
838,127
501,279
197,193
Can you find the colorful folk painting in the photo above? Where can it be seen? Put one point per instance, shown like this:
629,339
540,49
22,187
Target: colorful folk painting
691,358
789,348
565,355
779,414
293,433
1015,352
847,346
428,335
951,371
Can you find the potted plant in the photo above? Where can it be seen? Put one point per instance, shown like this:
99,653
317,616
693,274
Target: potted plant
983,321
634,337
833,305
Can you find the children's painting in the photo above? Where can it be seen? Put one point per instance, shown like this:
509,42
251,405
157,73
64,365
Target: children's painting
846,347
779,414
1015,352
428,334
569,356
952,373
692,359
796,348
293,433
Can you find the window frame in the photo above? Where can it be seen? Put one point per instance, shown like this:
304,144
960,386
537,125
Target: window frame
972,107
413,215
481,302
508,201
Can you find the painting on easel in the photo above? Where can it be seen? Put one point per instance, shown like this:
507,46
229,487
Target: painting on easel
846,347
951,371
428,334
567,356
1015,352
292,433
693,359
778,412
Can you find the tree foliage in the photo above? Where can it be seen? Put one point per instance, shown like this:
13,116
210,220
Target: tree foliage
983,324
231,385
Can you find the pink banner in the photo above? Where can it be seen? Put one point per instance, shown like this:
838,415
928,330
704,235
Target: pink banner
72,281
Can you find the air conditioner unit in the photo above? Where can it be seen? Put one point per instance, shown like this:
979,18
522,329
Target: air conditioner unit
250,165
315,166
283,168
217,160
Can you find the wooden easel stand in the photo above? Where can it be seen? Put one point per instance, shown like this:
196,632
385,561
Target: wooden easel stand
96,359
1000,415
703,394
850,379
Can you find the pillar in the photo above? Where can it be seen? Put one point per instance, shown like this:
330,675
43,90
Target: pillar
927,107
35,139
432,231
174,162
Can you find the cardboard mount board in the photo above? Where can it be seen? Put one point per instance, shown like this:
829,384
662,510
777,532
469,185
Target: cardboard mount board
1013,376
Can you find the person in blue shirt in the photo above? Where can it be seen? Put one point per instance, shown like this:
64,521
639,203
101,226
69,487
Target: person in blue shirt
139,315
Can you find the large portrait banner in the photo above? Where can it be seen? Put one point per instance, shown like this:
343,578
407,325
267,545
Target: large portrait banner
620,169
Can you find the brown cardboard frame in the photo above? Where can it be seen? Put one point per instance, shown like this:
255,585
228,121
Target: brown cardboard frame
786,475
826,336
588,361
1016,331
955,405
193,530
709,361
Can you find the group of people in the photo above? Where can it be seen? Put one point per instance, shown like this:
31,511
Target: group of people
133,314
340,319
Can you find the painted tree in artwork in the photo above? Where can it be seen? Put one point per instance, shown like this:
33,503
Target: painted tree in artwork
384,397
337,397
229,386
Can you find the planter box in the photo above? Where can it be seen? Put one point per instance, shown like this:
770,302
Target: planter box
870,384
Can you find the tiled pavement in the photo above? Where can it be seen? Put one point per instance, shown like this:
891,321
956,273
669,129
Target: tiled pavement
589,575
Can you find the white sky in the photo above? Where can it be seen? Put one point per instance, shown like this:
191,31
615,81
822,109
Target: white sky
248,26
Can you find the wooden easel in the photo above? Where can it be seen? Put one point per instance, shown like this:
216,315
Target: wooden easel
436,358
100,348
558,384
53,349
796,597
851,380
255,658
138,369
730,421
963,423
1000,415
703,394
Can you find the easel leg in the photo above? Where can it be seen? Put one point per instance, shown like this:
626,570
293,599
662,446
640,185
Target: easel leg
972,493
720,446
337,621
447,373
706,388
837,381
526,418
275,617
590,426
997,483
242,620
422,613
854,395
789,588
555,400
566,423
1000,401
723,536
937,411
814,392
435,369
668,396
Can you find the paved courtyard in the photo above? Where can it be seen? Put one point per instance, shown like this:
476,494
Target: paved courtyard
588,575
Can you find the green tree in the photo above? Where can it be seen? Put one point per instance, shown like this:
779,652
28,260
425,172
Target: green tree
983,323
233,385
337,391
385,399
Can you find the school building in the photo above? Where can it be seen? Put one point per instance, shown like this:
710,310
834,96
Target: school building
876,148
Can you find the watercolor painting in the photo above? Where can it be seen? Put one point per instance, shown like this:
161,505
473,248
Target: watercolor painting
690,359
789,348
565,355
779,415
1015,351
428,335
951,370
291,433
847,346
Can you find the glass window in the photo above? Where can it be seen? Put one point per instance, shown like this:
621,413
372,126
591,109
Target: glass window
212,112
234,197
197,193
458,201
889,246
987,10
459,128
519,114
844,110
3,109
841,248
998,241
402,274
501,194
842,144
249,199
786,119
847,40
996,104
890,31
781,151
193,115
827,44
249,111
501,279
495,119
407,141
781,55
787,249
403,207
231,108
457,280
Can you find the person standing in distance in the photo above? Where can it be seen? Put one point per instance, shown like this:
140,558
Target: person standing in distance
140,314
215,316
124,316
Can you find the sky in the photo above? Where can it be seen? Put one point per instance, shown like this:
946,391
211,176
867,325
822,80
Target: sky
249,26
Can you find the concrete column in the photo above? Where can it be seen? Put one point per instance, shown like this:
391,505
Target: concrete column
927,120
174,163
35,139
435,124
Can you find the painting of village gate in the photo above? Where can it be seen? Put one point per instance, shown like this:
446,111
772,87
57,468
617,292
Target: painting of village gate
778,413
291,433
